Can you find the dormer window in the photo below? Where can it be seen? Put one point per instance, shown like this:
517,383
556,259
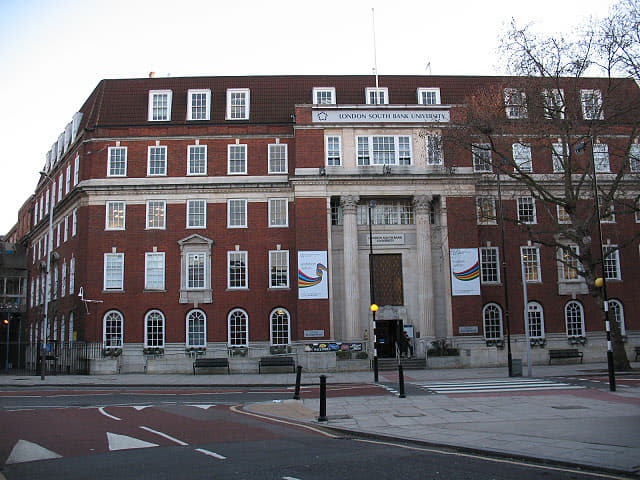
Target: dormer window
199,105
160,105
377,96
428,96
324,96
238,104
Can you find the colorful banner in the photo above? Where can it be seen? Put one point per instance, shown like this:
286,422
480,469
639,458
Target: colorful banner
313,281
465,271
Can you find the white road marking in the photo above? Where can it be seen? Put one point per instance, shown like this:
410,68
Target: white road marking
168,437
290,478
124,442
25,451
101,410
211,454
204,407
141,407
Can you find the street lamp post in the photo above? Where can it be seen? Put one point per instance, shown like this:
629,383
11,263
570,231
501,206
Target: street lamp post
47,292
612,375
7,322
504,273
373,306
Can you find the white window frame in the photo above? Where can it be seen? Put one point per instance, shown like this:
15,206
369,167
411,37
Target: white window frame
574,305
191,171
530,257
275,315
558,152
191,204
478,152
522,157
154,268
114,219
192,316
241,148
72,275
167,111
278,269
273,148
67,183
433,149
154,315
493,307
535,308
376,92
189,279
515,110
151,224
554,105
529,203
76,170
113,272
333,158
278,216
372,158
234,256
424,95
591,109
634,157
614,305
161,172
611,265
323,91
238,314
116,170
207,113
485,263
232,114
601,158
231,203
113,335
568,264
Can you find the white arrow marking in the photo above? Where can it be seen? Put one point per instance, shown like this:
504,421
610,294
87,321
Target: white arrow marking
141,407
101,410
123,442
204,407
290,478
211,454
25,451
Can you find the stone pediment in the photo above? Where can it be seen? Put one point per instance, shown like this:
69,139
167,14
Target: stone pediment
195,239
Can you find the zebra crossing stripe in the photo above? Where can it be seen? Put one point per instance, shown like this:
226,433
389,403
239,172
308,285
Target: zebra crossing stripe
498,386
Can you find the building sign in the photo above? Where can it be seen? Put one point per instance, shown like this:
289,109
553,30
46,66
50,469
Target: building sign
469,329
333,347
313,282
313,333
386,239
380,116
465,271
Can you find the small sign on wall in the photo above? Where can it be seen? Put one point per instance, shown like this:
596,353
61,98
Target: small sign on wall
313,333
468,329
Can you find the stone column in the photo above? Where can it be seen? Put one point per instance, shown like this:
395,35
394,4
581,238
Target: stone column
426,315
351,285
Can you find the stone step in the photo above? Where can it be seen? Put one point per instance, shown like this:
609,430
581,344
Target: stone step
407,363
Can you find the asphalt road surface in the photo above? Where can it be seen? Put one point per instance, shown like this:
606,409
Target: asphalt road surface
141,433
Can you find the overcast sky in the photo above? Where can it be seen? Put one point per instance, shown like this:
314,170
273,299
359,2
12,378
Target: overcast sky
54,52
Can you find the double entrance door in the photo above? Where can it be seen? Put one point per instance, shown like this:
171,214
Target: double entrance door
388,334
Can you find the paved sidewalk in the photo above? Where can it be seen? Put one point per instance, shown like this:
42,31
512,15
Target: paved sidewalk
587,426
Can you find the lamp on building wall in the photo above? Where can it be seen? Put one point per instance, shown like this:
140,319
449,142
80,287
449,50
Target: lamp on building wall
580,147
505,161
374,306
47,293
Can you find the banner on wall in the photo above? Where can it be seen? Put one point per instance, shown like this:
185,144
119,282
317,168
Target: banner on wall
465,271
313,281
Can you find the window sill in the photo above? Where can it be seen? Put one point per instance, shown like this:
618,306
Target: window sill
279,289
151,290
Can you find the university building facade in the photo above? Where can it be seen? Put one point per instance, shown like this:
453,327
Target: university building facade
249,216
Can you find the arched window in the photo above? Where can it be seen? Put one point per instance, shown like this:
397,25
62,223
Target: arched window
154,329
112,329
280,327
535,315
574,318
238,328
616,312
71,339
196,329
62,330
492,318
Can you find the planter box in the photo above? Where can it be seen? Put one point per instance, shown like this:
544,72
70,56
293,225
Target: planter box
444,362
353,365
103,366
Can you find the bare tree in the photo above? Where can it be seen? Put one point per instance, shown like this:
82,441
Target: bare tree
575,101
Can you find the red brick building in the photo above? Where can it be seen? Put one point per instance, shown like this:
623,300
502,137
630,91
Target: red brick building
230,215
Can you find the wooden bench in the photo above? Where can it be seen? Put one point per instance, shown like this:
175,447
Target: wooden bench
211,363
276,362
637,353
565,353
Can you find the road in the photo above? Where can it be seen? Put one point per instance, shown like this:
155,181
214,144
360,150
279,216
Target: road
180,433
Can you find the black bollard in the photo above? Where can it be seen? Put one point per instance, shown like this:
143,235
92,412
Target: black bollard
401,381
375,368
323,399
296,395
